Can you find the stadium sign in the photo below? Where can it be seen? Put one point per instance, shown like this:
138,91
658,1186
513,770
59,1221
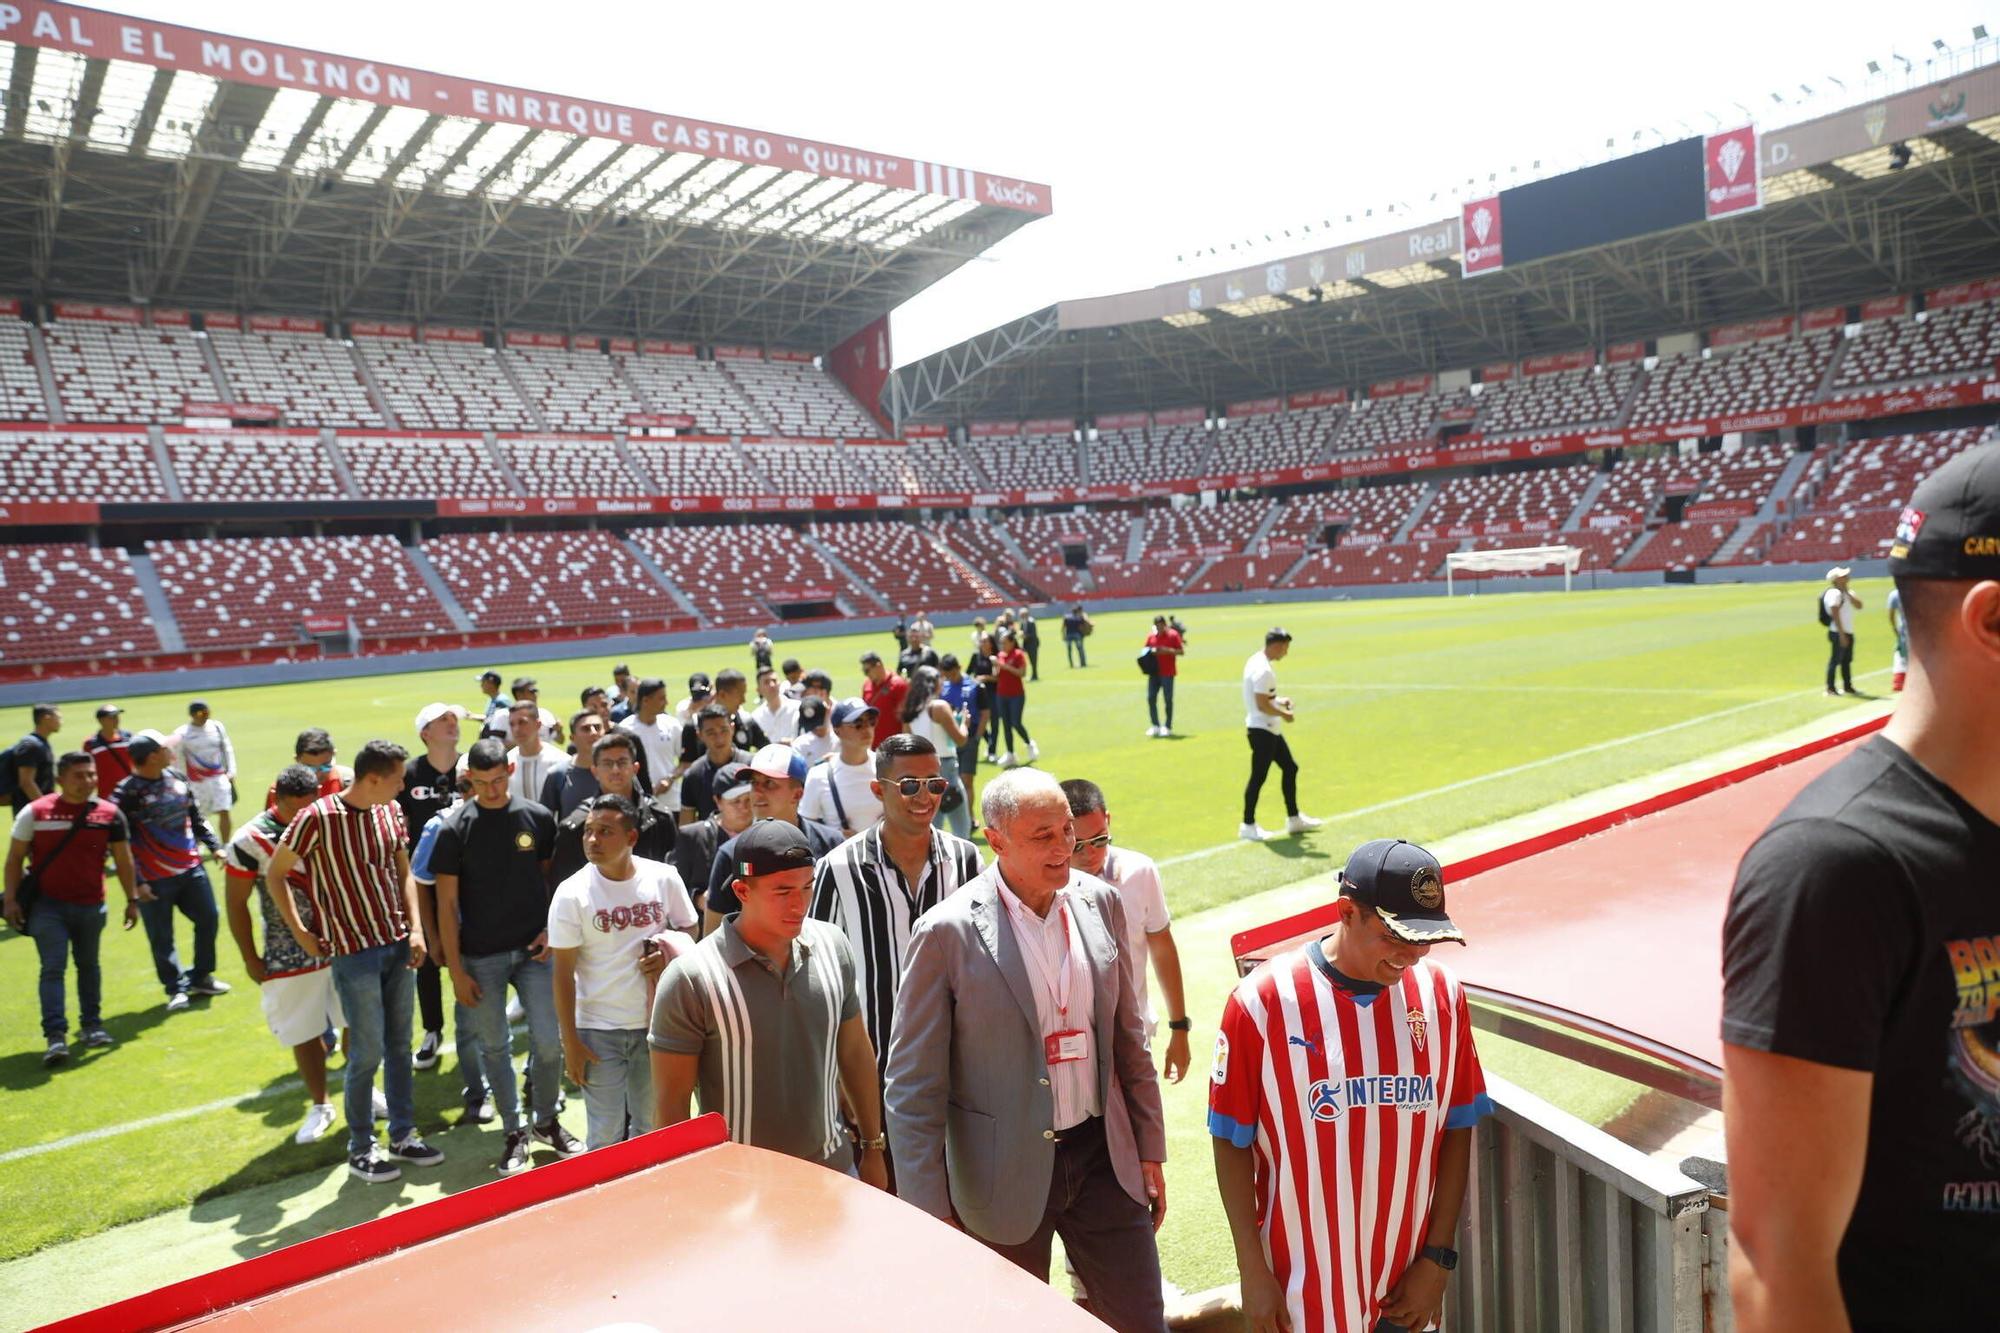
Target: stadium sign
1730,162
1479,229
93,33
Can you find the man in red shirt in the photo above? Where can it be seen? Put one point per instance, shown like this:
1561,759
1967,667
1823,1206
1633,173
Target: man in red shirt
110,749
65,835
1166,646
884,691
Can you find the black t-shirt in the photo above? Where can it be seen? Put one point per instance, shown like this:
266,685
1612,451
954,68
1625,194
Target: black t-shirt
425,792
1864,933
910,659
697,783
32,749
656,839
503,900
694,852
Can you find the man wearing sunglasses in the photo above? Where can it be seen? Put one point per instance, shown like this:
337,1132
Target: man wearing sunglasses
875,885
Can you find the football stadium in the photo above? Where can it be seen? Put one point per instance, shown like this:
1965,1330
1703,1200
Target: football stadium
368,432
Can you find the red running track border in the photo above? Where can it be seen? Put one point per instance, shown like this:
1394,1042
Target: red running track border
1247,942
337,1251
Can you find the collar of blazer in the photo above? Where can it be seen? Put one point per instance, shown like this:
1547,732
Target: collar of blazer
996,932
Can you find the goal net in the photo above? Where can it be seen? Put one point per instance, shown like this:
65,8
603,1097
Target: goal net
1519,560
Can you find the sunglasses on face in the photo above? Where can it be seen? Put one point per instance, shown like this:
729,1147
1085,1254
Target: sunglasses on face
1092,844
911,786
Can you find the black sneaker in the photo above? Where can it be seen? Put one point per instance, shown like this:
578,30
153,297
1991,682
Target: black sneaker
565,1143
209,986
427,1051
514,1158
370,1165
97,1036
56,1054
479,1110
411,1148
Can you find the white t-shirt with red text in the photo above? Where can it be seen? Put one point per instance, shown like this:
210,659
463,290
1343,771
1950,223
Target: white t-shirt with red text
607,921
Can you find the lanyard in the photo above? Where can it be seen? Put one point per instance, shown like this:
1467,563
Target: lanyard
1058,991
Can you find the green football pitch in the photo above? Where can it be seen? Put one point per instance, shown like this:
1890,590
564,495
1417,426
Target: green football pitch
1417,718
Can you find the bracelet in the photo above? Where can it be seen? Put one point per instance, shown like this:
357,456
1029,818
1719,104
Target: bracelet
1181,1025
879,1143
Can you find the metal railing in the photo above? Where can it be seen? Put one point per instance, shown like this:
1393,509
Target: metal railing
1568,1230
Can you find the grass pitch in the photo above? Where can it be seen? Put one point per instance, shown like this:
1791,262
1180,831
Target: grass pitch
1418,718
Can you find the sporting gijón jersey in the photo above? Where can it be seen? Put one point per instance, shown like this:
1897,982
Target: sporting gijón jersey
1343,1100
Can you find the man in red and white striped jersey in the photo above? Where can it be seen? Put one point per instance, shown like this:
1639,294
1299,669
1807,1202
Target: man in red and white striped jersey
1342,1103
364,903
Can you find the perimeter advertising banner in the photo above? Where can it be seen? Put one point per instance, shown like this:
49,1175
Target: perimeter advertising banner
1479,224
1730,166
94,33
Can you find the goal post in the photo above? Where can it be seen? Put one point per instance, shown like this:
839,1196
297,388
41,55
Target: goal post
1518,560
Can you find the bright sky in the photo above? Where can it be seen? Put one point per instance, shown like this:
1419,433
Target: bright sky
1162,128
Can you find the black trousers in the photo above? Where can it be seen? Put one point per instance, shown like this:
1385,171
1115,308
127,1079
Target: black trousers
1107,1234
430,995
1268,748
1840,659
1033,647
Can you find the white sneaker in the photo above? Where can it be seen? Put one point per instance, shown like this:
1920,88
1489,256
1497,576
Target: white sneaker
1034,752
515,1013
1251,833
319,1119
1007,760
378,1104
177,1002
1152,731
1302,824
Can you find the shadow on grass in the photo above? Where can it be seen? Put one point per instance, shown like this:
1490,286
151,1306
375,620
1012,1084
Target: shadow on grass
23,1070
1294,849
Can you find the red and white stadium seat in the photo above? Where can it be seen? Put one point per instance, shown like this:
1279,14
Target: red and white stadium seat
1372,513
904,566
1260,443
1679,545
683,384
1934,347
312,377
944,466
1755,377
255,591
120,372
576,390
548,466
976,543
1385,562
60,602
1540,498
393,467
21,397
697,467
1396,419
800,469
524,580
1036,461
1121,456
445,385
1590,395
798,398
253,465
1103,535
59,464
726,569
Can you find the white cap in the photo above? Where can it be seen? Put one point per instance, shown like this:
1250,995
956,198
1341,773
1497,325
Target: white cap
780,761
430,713
1837,572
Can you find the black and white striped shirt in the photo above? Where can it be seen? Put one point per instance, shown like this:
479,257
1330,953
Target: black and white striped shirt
858,888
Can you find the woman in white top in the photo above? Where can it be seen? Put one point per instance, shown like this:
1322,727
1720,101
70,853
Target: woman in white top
926,715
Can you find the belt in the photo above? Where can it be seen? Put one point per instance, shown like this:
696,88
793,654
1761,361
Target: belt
1084,1130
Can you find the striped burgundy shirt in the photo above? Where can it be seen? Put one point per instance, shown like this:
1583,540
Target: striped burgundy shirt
350,858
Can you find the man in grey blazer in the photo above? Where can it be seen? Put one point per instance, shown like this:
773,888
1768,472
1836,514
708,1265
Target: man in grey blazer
1021,1096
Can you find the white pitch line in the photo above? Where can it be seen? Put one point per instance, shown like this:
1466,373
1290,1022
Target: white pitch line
1517,769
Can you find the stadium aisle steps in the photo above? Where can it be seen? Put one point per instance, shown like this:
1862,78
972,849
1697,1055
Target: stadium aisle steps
660,575
159,610
441,590
846,571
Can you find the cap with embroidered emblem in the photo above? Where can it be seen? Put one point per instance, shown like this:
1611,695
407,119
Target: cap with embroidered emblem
1951,527
770,847
1405,885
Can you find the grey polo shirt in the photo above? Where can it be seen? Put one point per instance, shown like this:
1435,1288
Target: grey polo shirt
767,1042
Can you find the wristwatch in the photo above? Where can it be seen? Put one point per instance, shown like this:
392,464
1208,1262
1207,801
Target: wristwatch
1181,1025
1447,1259
880,1141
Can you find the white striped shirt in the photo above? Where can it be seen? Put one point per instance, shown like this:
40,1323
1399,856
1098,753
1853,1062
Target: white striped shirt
859,889
1344,1100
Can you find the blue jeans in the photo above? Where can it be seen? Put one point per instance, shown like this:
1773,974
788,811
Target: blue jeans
616,1086
191,894
1073,651
959,820
1155,687
1010,707
377,992
535,983
60,929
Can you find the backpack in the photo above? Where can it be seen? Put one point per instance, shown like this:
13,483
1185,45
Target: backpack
11,760
1825,616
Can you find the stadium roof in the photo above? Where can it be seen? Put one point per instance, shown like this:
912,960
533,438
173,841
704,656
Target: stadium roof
146,163
1893,196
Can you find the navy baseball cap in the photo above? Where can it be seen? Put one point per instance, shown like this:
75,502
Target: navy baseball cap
1951,527
729,781
699,685
770,847
1405,885
848,710
812,712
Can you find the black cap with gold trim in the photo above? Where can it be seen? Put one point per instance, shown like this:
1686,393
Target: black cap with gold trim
1951,527
1405,885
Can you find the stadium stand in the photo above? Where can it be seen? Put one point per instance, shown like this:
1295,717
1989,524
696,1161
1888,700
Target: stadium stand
120,372
1591,395
1255,569
976,543
1220,529
1782,372
1382,562
390,467
1543,497
1253,444
1316,429
907,569
1037,460
445,386
799,399
252,591
68,602
253,465
1041,537
800,469
1677,545
941,465
673,383
697,467
725,570
20,387
525,579
310,376
1399,419
575,390
1121,456
58,464
1372,513
553,466
1934,347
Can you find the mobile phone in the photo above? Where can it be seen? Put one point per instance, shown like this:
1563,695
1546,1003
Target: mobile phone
648,947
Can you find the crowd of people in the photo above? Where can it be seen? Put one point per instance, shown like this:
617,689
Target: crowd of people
769,909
